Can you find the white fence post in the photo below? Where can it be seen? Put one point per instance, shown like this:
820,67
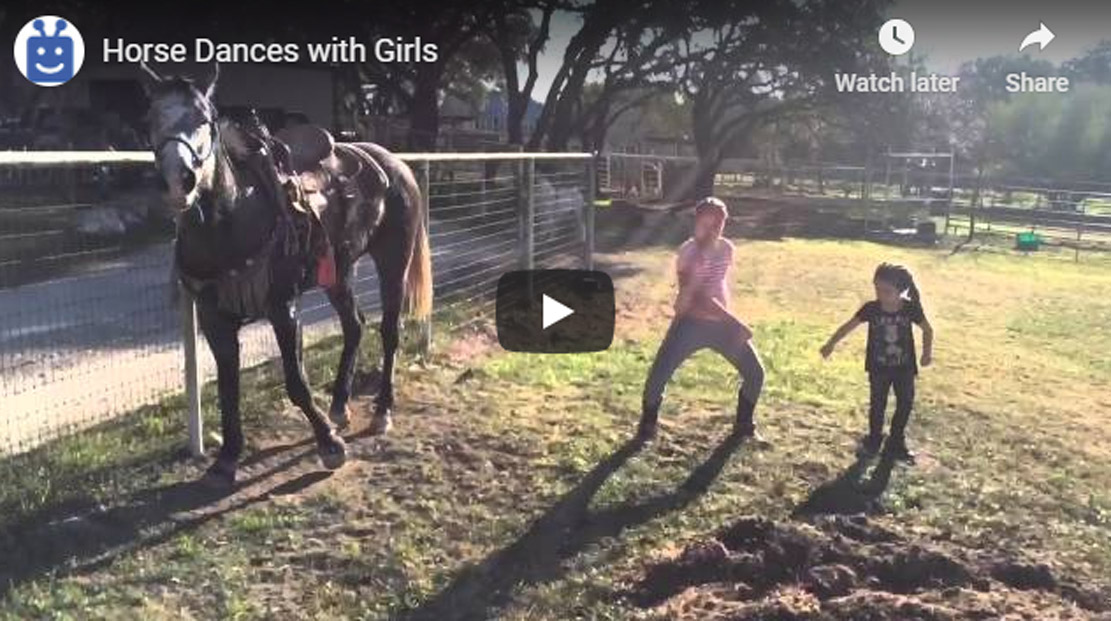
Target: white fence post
588,213
192,374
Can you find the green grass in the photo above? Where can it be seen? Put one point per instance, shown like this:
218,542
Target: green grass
1010,424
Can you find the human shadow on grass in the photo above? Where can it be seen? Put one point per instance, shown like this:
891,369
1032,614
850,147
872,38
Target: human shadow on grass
540,555
851,492
52,542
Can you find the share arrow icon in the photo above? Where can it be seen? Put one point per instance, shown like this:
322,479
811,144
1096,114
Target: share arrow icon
1042,36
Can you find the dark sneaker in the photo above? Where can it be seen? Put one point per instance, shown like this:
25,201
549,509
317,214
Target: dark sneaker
649,422
747,433
870,445
647,430
897,449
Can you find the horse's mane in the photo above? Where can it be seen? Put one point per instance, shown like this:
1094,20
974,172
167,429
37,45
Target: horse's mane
226,187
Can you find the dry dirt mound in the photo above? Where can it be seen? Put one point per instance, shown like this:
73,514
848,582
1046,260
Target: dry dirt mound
845,567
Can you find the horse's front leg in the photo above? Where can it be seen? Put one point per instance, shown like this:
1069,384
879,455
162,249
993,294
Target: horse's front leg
287,329
343,300
222,335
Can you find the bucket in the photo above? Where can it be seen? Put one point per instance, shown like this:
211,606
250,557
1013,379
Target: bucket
1028,241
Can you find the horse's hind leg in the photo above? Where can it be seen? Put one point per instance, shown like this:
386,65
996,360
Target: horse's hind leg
343,300
391,282
287,329
222,334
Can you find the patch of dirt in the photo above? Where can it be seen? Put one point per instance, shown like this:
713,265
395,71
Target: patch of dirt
848,567
472,344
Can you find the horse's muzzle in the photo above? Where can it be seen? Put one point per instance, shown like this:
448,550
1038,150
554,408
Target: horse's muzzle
187,181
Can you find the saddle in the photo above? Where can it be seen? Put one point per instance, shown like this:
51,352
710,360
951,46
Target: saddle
317,170
317,162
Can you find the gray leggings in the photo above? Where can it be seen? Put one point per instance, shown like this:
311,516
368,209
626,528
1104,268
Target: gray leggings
686,336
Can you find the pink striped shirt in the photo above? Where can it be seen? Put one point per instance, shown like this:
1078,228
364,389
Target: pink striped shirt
707,269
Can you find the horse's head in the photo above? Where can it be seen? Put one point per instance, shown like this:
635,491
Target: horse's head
185,135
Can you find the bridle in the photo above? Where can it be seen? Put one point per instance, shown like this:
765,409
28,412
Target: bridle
198,159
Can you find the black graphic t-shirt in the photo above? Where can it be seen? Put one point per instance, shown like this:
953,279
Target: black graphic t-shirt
890,337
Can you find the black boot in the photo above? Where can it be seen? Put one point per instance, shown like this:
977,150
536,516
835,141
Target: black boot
896,448
870,444
744,426
649,422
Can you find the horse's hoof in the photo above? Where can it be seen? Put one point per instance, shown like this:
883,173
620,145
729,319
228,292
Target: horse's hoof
220,475
333,453
381,424
341,417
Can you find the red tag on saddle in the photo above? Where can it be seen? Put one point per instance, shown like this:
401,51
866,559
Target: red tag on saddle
326,269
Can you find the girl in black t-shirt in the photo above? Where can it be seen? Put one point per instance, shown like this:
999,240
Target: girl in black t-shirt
890,360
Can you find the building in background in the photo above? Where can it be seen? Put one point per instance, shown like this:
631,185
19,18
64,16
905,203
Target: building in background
105,106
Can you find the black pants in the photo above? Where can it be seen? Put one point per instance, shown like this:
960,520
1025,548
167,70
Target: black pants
883,382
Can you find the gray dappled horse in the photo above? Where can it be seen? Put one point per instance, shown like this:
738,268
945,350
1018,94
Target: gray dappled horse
239,245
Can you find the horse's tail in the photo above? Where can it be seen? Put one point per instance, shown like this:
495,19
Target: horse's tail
418,282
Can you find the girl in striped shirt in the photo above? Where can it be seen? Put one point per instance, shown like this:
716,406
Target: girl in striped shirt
703,320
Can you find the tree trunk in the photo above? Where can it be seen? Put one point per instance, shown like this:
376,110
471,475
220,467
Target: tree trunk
704,174
515,116
709,143
424,115
555,125
559,133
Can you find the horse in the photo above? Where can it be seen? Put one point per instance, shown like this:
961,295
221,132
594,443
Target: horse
235,250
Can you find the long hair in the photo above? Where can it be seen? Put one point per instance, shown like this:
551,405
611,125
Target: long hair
899,277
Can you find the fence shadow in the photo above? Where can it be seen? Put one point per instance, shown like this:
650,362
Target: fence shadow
60,540
566,529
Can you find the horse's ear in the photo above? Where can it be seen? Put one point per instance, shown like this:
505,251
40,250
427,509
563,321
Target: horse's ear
209,82
150,77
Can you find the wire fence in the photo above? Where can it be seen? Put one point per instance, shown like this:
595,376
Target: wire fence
90,328
901,191
1069,214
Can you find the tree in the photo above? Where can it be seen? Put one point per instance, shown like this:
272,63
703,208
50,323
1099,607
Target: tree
750,61
1095,66
520,39
620,40
1054,137
634,68
637,117
418,86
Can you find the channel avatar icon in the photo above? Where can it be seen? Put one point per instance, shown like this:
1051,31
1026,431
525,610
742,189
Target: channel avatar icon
49,50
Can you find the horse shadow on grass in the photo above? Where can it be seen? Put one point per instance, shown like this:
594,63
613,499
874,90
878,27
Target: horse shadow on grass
68,541
852,492
539,555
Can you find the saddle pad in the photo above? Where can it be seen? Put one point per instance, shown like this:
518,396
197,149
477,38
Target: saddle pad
326,269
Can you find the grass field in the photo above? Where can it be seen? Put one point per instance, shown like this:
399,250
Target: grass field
507,489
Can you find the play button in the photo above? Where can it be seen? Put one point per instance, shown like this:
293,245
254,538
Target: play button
555,311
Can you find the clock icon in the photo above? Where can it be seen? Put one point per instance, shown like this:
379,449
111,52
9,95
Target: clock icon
896,37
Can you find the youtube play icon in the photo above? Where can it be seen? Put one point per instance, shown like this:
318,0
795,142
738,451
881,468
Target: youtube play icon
555,311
